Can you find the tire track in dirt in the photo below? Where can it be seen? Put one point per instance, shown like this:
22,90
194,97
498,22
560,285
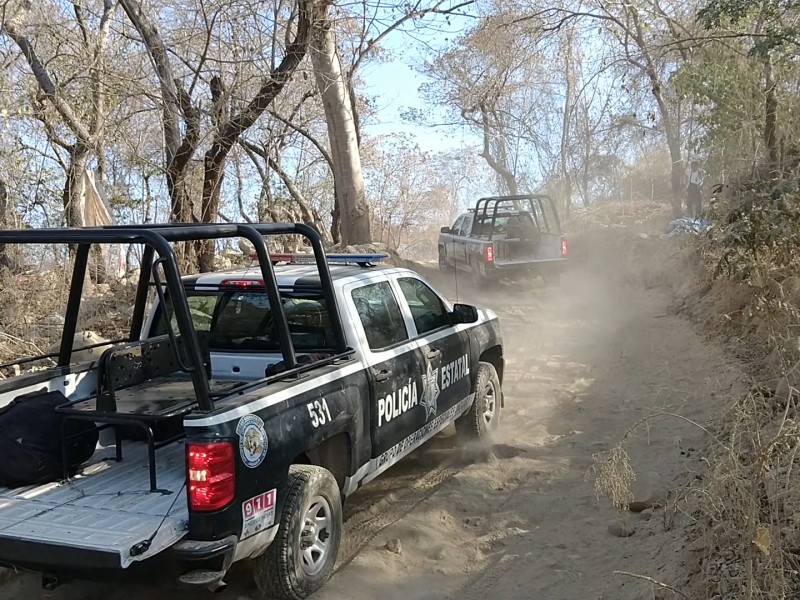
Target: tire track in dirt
364,525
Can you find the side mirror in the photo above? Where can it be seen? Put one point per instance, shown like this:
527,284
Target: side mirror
464,313
445,230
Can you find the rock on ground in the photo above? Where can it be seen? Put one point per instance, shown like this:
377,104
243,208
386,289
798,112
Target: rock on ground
621,528
649,490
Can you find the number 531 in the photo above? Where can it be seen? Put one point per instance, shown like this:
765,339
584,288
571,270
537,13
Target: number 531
319,413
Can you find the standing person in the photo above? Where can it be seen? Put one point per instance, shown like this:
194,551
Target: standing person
694,193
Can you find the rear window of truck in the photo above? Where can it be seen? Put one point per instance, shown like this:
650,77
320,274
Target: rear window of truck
243,321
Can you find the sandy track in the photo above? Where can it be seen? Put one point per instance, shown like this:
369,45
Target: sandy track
519,520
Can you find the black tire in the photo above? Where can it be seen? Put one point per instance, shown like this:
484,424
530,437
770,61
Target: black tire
482,419
478,280
284,571
552,279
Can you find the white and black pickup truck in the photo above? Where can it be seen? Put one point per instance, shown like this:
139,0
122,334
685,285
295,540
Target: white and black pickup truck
506,237
240,413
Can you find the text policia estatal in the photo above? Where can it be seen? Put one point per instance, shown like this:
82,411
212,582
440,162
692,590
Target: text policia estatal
406,397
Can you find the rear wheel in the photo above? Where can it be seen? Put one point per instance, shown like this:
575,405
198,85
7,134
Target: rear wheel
443,264
483,417
302,555
552,279
478,280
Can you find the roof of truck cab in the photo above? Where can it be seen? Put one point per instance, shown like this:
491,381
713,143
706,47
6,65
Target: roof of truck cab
291,275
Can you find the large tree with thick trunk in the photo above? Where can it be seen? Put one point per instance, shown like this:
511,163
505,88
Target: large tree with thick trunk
228,121
340,116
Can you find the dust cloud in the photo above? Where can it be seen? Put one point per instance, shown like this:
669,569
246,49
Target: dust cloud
520,518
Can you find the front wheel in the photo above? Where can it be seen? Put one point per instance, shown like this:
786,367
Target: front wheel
483,417
302,555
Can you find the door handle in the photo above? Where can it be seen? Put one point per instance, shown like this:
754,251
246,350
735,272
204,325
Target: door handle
431,354
383,375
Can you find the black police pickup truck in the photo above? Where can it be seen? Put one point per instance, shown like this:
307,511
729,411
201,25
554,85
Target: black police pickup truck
240,413
513,237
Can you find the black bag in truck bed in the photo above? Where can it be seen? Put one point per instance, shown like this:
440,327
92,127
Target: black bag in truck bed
31,438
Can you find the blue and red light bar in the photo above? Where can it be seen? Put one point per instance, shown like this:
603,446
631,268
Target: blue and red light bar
342,259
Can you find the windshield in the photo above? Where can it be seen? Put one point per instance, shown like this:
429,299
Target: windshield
244,321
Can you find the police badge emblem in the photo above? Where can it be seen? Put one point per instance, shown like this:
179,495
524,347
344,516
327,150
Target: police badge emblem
252,440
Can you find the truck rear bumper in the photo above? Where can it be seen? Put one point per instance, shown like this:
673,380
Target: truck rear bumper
187,563
204,564
531,268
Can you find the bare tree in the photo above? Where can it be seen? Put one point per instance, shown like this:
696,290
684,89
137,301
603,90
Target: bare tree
494,80
227,123
650,39
85,123
5,261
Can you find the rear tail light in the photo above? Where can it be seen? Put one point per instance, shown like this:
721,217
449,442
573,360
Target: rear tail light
563,247
211,473
489,254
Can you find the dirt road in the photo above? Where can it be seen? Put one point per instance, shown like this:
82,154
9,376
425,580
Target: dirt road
521,521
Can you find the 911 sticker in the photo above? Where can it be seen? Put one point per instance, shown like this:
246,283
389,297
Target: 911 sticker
258,514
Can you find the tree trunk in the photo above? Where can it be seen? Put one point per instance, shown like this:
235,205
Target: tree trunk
5,259
673,135
179,147
676,175
355,220
771,119
672,127
336,219
565,127
212,182
75,186
498,164
181,212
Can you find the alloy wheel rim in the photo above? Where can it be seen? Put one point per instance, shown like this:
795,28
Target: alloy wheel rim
315,536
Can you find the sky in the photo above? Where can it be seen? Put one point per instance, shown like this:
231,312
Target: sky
394,85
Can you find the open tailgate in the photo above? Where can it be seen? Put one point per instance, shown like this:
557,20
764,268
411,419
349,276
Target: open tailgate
101,515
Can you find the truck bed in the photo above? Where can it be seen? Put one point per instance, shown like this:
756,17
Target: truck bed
106,510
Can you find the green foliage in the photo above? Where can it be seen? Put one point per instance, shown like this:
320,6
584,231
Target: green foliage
774,32
727,104
757,231
717,12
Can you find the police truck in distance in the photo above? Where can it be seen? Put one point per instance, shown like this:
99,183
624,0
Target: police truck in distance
241,412
506,237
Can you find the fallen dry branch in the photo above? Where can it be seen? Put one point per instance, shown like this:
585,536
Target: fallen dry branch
655,582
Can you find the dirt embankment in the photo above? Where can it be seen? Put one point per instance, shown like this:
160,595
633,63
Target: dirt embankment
740,511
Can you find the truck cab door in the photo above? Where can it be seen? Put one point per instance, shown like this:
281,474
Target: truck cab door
454,243
444,351
393,366
465,228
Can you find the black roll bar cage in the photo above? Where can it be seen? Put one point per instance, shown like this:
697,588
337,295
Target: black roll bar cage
157,239
482,207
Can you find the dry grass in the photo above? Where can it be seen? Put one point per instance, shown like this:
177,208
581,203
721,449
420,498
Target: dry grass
607,215
33,307
614,476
